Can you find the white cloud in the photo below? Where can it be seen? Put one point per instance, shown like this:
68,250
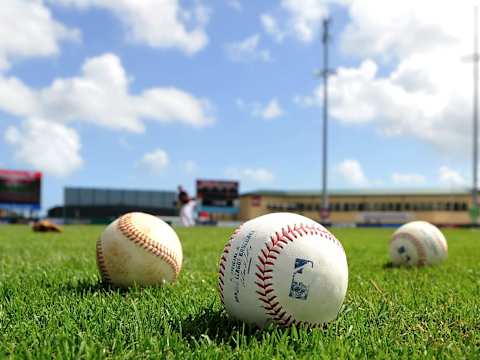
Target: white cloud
425,92
159,24
272,110
260,175
450,177
270,25
269,111
248,50
100,96
28,30
408,179
155,161
235,4
308,100
347,101
440,116
352,173
300,19
46,146
403,28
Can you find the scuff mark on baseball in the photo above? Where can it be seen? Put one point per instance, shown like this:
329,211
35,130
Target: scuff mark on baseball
139,248
418,243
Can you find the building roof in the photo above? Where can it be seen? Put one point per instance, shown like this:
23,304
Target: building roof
362,192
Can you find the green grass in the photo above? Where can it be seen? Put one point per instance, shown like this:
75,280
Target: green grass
52,304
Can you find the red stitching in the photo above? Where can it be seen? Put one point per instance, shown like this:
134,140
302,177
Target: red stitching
101,263
263,285
266,292
222,265
127,228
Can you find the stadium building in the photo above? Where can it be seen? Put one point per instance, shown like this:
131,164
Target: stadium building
365,207
92,205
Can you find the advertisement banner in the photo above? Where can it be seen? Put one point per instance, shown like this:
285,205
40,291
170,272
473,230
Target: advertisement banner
19,188
385,217
218,196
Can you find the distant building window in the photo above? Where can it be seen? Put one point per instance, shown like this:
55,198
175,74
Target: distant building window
458,206
275,207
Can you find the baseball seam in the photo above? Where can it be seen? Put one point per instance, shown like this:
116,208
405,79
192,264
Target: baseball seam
101,263
266,262
129,230
222,265
421,252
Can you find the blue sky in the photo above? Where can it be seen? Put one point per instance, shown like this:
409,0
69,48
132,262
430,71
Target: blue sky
151,94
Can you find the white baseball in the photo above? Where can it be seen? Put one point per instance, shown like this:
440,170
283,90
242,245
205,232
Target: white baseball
283,268
140,249
418,243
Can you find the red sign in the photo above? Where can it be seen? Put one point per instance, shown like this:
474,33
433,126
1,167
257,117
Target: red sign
256,200
20,187
325,214
219,193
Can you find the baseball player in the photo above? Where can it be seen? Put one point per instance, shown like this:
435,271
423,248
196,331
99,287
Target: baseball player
187,209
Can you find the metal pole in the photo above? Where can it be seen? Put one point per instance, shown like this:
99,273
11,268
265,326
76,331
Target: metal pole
475,119
64,208
325,39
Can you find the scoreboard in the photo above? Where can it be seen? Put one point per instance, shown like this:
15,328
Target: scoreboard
218,195
20,188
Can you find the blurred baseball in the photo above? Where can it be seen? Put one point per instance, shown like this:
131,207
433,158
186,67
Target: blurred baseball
283,268
140,249
418,243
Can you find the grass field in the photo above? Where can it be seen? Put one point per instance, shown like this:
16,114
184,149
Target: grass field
52,304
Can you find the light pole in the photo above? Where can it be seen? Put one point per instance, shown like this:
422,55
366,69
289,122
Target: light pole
324,213
475,59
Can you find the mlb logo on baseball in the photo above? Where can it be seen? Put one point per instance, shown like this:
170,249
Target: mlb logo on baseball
300,285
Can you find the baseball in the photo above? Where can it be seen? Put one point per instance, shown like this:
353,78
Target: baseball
283,268
140,249
418,243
